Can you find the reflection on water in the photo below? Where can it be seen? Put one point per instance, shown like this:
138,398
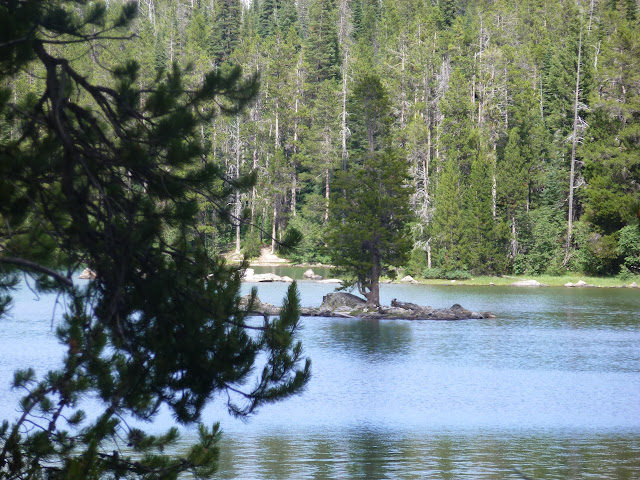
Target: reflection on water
374,338
550,389
366,454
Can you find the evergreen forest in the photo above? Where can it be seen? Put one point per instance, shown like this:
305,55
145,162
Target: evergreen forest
513,127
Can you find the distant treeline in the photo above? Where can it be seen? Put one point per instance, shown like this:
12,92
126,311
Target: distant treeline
519,121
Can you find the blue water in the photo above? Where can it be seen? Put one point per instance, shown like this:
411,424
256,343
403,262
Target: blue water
550,388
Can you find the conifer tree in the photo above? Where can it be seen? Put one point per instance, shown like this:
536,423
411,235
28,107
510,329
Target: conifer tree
322,42
368,231
447,218
109,175
226,28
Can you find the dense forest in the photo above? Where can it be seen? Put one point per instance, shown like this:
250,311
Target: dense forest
514,126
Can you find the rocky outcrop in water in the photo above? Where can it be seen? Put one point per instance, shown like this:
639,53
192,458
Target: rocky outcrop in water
309,274
251,276
346,305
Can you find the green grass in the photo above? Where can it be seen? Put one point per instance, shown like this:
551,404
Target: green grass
552,281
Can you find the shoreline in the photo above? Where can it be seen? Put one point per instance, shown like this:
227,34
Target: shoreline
546,281
266,259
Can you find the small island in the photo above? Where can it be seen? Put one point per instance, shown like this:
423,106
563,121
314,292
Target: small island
347,305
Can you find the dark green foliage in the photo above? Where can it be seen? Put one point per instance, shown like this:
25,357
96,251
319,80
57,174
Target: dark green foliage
448,218
489,86
322,52
439,273
541,235
371,120
629,248
369,229
483,237
111,176
276,16
226,28
368,234
312,247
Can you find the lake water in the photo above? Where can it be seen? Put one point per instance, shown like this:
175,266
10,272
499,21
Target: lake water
548,389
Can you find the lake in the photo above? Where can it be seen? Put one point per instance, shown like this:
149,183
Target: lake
548,389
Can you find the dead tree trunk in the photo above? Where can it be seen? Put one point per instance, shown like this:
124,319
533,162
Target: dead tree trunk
573,151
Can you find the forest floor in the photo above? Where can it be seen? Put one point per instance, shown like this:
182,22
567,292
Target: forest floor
268,259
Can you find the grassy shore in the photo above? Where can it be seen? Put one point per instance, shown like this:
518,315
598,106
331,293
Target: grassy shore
552,281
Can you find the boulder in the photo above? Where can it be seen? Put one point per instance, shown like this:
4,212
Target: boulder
266,277
634,285
87,274
568,284
406,305
581,283
248,273
259,307
528,283
311,275
341,299
408,279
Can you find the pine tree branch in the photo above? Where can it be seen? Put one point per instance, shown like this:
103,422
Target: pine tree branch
21,262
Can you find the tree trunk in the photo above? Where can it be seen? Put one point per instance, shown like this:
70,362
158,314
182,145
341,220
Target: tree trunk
373,296
294,187
327,192
514,238
253,189
344,111
573,150
277,142
273,228
494,182
238,209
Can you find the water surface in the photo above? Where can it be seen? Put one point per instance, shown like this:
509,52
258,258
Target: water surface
548,389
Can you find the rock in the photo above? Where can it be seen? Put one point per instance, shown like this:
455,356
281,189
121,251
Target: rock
266,277
528,283
408,279
462,312
311,275
341,299
259,307
331,280
634,285
579,284
87,274
492,284
249,272
406,305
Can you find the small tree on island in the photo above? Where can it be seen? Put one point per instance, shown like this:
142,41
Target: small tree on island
368,232
111,176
